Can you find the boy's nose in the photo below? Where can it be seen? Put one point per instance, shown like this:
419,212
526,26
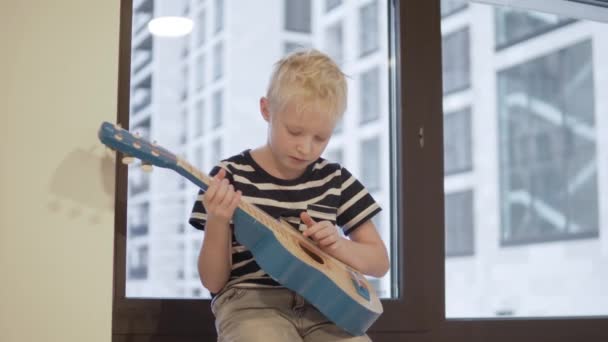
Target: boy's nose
304,147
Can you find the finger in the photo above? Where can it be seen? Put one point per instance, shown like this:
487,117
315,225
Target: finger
222,190
235,200
312,230
221,174
228,197
322,234
328,241
305,217
212,190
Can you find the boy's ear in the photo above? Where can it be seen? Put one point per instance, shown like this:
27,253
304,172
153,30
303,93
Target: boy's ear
264,108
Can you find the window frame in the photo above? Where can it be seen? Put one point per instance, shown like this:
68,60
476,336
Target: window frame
418,315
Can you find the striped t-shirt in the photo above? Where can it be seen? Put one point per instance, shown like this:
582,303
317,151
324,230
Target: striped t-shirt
327,191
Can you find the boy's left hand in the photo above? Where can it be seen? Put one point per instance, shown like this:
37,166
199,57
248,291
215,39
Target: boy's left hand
324,233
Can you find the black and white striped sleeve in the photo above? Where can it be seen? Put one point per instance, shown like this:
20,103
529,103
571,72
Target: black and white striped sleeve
356,204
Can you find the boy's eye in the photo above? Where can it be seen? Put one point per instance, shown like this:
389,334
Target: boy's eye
296,133
321,139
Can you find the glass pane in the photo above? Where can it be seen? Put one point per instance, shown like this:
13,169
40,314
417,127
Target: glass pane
513,25
525,173
198,96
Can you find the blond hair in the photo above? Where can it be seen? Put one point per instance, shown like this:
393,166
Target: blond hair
310,78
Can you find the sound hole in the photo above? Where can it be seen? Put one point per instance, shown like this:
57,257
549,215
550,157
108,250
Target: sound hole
311,254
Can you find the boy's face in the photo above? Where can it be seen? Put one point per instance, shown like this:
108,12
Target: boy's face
296,138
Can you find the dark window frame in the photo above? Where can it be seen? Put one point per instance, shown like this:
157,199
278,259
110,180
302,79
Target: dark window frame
418,315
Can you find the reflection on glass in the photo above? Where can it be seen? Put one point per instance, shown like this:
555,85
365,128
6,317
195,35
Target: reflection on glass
198,97
523,166
513,25
549,169
452,6
456,61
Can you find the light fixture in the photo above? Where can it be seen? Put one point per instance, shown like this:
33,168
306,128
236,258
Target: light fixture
170,26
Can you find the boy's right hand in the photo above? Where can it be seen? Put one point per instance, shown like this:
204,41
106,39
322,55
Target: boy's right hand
220,199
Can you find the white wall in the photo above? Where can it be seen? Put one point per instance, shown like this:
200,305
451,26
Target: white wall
58,72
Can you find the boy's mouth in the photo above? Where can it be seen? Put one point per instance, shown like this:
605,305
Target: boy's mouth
298,160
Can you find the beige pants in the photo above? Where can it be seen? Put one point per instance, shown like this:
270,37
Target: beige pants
245,314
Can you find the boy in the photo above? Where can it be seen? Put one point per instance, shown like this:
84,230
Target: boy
288,179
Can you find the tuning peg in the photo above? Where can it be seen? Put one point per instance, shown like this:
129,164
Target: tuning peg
127,160
146,167
117,126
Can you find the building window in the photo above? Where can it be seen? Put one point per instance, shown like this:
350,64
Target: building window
369,163
138,263
457,156
548,157
217,151
138,219
219,15
514,26
368,29
218,108
201,25
199,158
369,95
200,72
199,118
456,61
331,4
449,7
298,15
290,47
459,225
334,42
196,246
218,60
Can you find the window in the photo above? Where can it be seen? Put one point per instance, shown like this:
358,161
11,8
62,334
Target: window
459,225
456,61
199,125
290,47
218,61
368,28
449,7
369,95
513,25
139,218
219,15
457,142
331,4
201,24
298,14
217,151
496,280
218,109
138,264
200,72
548,163
334,42
199,158
370,163
521,146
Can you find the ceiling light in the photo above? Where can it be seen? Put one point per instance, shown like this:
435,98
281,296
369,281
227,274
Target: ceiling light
170,26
